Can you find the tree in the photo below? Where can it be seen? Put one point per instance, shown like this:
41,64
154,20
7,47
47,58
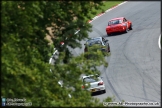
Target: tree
25,52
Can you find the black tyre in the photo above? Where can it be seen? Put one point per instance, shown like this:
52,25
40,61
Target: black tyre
108,34
130,28
126,30
108,48
104,91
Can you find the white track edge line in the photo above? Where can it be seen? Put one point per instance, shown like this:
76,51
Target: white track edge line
107,11
103,13
159,41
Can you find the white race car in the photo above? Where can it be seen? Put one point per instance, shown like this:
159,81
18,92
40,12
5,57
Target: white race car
96,83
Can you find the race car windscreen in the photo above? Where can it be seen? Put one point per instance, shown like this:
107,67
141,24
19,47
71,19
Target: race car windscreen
90,79
92,42
113,22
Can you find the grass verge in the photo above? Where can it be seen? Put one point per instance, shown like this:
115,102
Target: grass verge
107,5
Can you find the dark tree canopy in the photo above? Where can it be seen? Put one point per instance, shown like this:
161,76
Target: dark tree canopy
25,52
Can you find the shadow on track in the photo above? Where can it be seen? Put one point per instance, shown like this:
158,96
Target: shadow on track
97,93
114,34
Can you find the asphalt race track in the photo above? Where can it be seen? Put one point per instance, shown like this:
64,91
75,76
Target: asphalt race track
133,73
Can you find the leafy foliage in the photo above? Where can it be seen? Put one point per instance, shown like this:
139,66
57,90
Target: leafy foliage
25,52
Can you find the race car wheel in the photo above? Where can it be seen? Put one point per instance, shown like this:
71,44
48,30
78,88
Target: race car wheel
130,28
126,30
104,91
108,34
108,48
108,51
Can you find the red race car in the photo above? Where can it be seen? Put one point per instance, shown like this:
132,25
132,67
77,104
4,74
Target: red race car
119,24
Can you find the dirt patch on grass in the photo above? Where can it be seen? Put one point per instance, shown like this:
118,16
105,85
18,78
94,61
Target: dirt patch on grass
49,36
